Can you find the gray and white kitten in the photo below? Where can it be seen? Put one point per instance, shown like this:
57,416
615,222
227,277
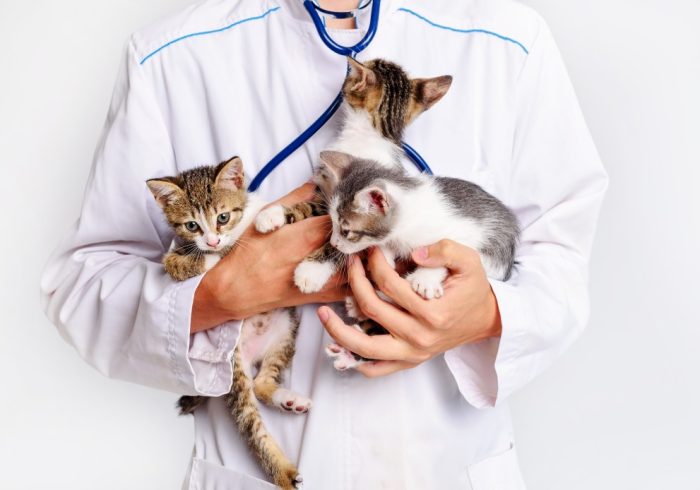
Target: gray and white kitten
379,101
378,206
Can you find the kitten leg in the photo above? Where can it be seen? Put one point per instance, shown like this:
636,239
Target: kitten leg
315,270
184,266
427,281
270,219
276,216
343,359
280,334
244,408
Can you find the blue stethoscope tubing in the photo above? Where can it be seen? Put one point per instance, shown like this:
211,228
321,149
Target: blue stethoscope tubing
351,51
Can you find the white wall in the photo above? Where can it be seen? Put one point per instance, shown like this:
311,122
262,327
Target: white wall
619,411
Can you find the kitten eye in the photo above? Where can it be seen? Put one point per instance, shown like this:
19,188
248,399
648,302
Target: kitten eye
345,233
192,226
223,218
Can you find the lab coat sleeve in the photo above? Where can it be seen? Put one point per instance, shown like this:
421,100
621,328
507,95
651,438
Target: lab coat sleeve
105,287
556,189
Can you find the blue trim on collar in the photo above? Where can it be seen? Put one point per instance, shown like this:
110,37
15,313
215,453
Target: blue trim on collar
466,31
214,31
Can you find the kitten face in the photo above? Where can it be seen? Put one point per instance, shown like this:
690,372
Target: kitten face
361,207
204,204
391,98
362,222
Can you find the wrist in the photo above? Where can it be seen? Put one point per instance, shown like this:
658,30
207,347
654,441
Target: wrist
493,326
208,310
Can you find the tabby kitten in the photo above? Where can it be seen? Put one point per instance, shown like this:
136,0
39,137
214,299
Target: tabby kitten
379,101
209,208
377,206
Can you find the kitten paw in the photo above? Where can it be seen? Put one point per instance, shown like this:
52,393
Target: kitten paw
270,219
290,401
428,281
298,482
310,276
343,359
289,479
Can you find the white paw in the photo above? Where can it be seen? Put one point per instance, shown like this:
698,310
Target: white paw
343,359
428,281
270,219
310,276
290,401
298,482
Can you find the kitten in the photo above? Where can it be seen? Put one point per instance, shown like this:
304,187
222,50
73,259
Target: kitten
378,206
379,101
208,208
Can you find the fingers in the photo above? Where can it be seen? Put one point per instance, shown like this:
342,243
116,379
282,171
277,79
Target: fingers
447,253
374,369
394,286
380,347
302,193
389,316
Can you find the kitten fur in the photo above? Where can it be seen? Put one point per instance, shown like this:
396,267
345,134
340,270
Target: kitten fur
379,101
208,208
376,206
385,207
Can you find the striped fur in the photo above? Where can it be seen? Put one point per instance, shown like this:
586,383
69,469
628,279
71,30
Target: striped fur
201,195
242,401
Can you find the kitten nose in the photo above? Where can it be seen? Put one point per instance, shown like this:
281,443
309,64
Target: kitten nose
213,240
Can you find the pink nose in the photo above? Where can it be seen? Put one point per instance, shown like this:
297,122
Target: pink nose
213,241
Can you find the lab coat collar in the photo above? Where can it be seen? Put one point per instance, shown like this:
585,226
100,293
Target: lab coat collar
296,10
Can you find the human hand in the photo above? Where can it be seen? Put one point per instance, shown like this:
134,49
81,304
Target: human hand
419,329
256,276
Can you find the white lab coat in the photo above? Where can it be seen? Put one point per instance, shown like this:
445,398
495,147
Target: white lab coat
229,77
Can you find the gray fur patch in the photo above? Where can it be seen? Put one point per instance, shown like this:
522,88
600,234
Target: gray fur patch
471,201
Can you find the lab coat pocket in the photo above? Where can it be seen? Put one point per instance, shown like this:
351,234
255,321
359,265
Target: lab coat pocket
499,472
205,475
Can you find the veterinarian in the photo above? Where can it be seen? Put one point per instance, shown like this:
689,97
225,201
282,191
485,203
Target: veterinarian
245,77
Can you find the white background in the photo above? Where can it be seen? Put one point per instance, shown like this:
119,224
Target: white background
620,411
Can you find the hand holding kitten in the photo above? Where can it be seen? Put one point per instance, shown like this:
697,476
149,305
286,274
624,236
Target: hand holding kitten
466,313
256,276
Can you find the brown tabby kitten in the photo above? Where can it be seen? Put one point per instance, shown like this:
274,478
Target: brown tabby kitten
208,208
380,101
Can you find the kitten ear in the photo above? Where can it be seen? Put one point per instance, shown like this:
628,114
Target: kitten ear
229,174
336,160
373,200
164,190
360,76
427,91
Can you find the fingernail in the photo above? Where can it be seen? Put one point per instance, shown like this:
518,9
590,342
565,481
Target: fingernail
323,314
421,253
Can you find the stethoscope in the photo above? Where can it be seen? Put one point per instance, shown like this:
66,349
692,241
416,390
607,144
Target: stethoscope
351,51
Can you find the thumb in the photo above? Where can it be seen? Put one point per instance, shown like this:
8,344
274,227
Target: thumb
302,193
447,253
